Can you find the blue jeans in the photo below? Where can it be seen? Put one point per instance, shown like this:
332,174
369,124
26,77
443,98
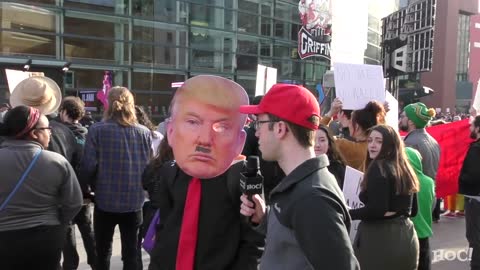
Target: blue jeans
104,224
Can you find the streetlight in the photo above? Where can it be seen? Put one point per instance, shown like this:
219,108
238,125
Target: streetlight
65,69
27,65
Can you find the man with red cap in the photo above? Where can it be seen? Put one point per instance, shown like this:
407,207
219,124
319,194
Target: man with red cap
308,221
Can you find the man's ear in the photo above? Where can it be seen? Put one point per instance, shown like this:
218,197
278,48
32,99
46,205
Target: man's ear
170,132
281,129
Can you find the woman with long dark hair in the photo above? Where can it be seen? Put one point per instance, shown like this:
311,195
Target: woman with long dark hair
325,144
39,193
386,237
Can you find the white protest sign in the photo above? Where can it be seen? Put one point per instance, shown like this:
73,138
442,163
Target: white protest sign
266,78
356,84
351,189
392,114
14,77
476,100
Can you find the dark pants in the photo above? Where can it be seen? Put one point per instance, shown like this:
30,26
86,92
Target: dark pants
35,248
84,222
436,210
104,224
472,223
424,261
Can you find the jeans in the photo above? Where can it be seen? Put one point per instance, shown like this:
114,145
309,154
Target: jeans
34,248
472,223
104,224
85,225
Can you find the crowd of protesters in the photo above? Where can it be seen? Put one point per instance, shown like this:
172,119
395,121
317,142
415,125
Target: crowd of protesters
64,170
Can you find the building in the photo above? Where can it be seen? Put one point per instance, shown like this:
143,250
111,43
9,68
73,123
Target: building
474,64
149,44
452,52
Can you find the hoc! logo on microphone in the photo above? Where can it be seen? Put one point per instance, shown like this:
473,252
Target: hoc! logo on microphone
315,35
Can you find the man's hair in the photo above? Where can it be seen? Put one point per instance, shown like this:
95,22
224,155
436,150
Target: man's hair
304,136
73,107
476,121
121,106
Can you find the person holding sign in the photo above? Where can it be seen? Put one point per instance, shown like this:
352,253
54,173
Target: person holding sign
361,120
386,237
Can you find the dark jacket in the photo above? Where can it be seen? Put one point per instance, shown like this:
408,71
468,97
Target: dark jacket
63,142
225,240
80,134
338,170
308,224
469,180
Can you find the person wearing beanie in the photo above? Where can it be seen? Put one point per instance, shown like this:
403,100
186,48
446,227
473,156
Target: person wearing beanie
414,118
426,198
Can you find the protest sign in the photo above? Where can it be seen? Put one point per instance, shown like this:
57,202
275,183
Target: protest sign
356,85
14,77
476,100
351,189
266,78
392,114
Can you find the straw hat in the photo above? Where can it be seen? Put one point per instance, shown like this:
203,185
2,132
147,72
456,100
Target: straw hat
39,92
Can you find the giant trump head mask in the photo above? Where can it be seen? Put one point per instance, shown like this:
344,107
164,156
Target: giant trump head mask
205,130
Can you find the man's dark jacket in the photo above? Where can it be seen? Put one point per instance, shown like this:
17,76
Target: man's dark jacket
225,239
469,180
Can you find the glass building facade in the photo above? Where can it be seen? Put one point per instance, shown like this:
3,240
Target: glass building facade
148,44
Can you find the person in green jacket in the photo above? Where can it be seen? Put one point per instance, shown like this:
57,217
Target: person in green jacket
426,198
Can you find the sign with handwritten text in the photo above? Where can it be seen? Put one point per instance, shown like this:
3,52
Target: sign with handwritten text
351,189
356,84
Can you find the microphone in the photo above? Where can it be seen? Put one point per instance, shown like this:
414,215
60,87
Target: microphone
251,181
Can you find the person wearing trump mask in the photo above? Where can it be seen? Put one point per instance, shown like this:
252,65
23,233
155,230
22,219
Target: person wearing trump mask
200,226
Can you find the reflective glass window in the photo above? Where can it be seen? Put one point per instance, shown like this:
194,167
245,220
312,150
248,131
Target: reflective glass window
246,63
206,39
159,10
248,23
148,54
212,17
101,27
287,11
151,81
249,5
103,51
149,31
20,17
109,6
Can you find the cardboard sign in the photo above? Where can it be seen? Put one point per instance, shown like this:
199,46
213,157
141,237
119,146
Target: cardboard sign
266,78
392,114
476,100
351,189
356,85
14,77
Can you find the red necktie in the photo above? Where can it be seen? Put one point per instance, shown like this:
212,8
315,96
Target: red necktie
188,233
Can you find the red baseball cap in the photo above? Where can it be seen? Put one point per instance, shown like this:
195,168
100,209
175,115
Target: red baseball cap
293,103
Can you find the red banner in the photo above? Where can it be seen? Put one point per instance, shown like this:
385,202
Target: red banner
454,140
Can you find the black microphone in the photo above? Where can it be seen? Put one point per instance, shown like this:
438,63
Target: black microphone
251,181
